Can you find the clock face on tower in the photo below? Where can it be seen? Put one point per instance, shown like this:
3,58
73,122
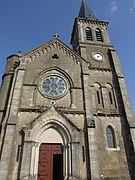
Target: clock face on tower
53,86
97,56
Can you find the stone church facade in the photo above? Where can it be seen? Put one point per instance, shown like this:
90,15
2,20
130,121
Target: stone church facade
65,113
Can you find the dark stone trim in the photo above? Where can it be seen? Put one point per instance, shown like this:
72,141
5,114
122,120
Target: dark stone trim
11,124
72,112
7,74
30,85
101,44
28,141
87,74
31,110
120,77
2,110
107,114
13,56
43,109
101,69
76,87
93,21
75,142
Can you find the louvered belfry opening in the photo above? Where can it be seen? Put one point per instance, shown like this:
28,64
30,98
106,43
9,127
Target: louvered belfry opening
88,34
99,35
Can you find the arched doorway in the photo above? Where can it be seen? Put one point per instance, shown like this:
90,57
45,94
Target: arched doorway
50,158
49,132
55,143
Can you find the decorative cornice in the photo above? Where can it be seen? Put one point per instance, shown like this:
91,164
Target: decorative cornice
99,44
41,109
55,43
71,111
36,110
107,114
97,22
100,69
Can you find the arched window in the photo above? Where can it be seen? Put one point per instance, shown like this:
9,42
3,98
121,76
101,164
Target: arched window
110,92
98,95
99,35
88,34
110,137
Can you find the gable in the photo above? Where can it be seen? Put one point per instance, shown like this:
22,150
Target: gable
53,57
51,46
52,118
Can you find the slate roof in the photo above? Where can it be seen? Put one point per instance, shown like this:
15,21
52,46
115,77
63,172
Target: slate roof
85,11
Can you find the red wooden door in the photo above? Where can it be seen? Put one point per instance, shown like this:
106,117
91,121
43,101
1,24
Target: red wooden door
50,164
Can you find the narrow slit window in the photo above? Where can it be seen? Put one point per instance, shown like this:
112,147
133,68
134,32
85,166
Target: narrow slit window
99,35
18,153
83,153
88,34
110,97
110,137
98,97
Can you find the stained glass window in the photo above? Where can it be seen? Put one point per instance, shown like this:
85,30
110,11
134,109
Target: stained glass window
110,137
53,86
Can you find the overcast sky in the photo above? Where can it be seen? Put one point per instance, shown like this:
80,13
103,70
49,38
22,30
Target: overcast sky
27,24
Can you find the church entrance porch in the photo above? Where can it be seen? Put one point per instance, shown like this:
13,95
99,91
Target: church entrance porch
50,151
50,163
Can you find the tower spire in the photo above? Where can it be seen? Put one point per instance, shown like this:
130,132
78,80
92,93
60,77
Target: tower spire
85,11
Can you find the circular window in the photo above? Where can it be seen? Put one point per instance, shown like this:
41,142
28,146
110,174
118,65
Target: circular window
53,86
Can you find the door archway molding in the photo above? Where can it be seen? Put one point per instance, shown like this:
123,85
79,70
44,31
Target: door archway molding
68,134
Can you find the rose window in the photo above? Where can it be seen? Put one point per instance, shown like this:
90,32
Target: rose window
53,86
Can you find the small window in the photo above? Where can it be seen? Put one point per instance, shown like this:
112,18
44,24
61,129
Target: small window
88,34
110,94
98,97
110,137
99,35
110,97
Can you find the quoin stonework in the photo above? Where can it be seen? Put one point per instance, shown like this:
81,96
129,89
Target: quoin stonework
65,114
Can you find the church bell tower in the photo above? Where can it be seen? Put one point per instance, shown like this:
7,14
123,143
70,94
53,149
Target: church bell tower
65,114
108,109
